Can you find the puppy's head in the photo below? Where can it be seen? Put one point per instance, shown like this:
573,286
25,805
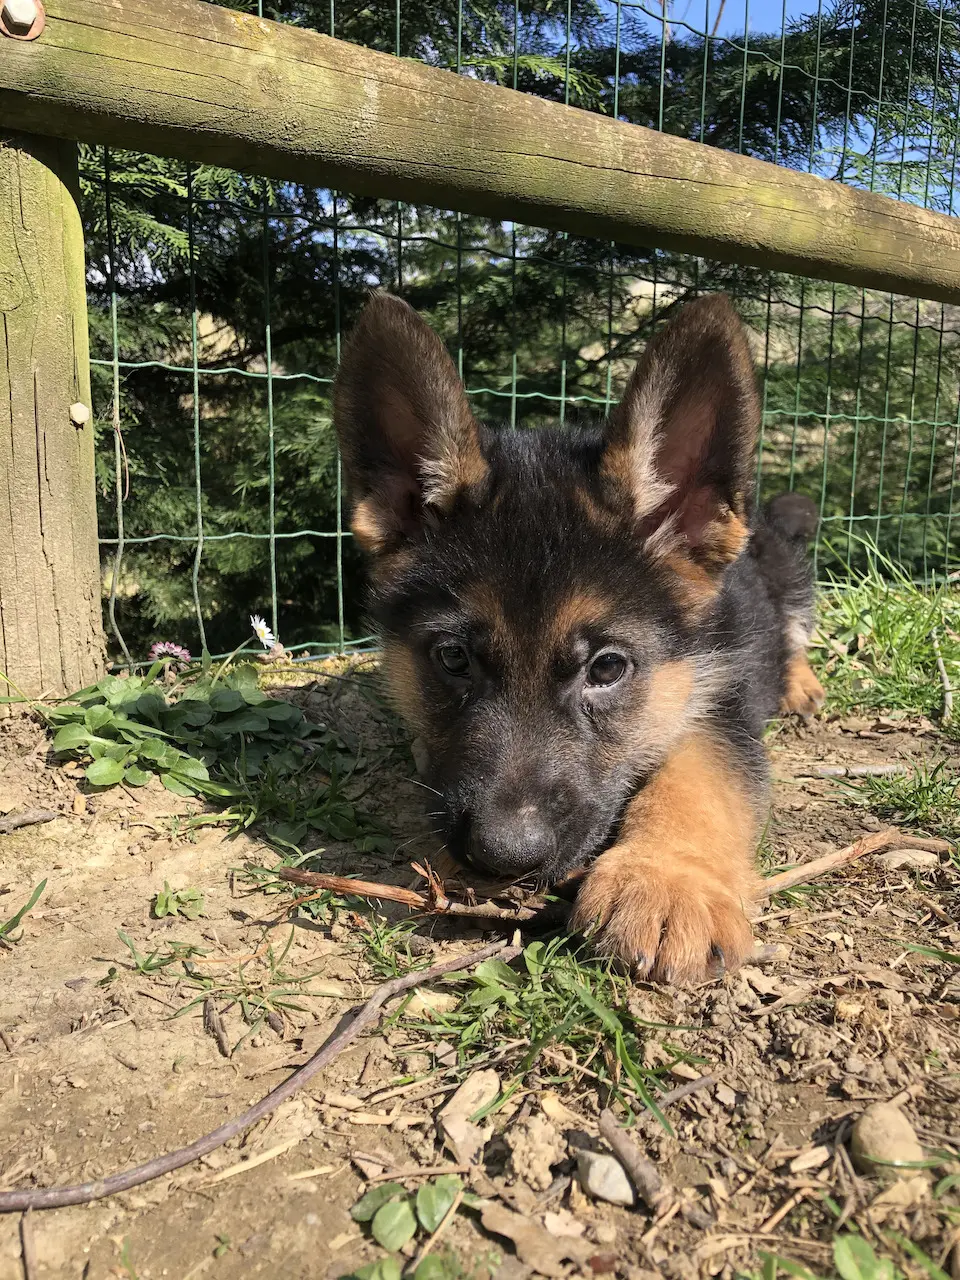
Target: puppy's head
543,597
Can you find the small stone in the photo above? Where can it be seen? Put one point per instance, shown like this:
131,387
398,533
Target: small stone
602,1177
847,1010
605,1233
684,1071
725,1095
883,1134
477,1091
909,860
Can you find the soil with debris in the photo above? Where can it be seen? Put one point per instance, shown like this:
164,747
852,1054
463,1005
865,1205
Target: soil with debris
97,1073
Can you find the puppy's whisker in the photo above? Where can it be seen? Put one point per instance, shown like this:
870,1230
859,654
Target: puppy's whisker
417,783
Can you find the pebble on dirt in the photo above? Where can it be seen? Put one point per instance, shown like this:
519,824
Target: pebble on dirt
909,860
883,1134
603,1177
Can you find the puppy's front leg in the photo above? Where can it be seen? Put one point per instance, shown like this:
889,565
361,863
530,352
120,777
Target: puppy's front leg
672,896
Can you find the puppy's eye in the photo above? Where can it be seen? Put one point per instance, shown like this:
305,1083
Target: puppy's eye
453,658
607,669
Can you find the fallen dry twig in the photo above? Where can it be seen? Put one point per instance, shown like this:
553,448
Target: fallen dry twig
83,1193
551,914
28,1249
29,818
685,1090
889,838
433,902
946,713
643,1173
853,771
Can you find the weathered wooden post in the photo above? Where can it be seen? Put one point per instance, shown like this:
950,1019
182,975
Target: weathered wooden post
51,633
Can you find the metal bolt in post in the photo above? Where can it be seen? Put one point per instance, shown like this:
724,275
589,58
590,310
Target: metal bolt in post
22,19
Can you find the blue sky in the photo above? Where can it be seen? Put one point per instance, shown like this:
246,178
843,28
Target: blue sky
763,15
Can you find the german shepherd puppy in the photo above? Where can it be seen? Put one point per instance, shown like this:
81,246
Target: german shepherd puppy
589,629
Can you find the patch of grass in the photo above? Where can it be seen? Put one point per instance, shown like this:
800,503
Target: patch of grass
316,799
156,960
10,926
924,797
876,648
215,733
178,902
555,1011
387,946
261,986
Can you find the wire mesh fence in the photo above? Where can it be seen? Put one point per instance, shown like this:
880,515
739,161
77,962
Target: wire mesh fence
218,302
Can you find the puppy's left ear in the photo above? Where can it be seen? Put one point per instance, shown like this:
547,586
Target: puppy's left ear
680,444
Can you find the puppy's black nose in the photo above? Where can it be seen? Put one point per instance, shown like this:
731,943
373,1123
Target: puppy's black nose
512,841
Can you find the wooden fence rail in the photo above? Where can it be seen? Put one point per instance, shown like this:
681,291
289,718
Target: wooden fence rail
187,79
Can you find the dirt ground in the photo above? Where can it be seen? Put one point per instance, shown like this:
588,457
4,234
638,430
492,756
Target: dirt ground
96,1074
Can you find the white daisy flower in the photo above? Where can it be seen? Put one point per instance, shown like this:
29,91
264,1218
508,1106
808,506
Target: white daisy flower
262,631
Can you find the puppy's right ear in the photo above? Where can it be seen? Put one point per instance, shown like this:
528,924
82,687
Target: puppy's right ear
410,444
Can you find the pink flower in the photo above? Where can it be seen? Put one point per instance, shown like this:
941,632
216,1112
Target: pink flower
166,649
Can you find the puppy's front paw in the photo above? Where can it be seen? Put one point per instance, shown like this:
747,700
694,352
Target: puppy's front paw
804,693
679,924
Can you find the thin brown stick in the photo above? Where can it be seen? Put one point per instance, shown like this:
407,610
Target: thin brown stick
853,771
28,1248
29,818
889,838
435,902
418,1171
359,888
643,1173
946,714
685,1090
54,1197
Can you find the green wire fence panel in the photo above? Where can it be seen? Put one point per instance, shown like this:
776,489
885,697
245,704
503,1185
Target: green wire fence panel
218,301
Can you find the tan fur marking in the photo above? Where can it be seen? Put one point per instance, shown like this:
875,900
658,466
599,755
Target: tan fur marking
579,610
694,589
403,687
659,720
599,516
459,466
725,539
804,693
681,876
368,526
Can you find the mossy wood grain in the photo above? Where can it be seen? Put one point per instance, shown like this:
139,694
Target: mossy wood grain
207,84
51,636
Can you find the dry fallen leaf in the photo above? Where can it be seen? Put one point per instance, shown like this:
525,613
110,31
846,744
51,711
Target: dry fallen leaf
765,984
534,1245
561,1115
